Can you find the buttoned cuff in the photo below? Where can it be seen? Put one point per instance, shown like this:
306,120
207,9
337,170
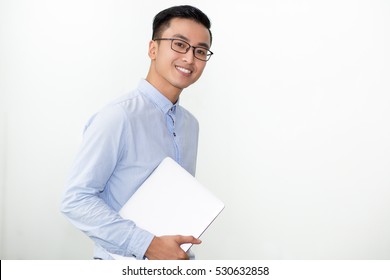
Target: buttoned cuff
139,243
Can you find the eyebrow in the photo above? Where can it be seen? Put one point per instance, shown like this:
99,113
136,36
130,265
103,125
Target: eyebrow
204,45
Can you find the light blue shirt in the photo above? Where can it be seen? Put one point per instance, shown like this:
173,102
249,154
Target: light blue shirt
122,145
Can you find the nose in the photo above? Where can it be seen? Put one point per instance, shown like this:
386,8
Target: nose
189,56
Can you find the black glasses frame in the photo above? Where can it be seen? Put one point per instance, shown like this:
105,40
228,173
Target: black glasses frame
208,55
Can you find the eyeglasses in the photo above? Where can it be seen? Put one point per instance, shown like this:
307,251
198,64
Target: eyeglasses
181,46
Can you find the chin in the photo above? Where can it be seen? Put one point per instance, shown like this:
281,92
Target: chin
182,85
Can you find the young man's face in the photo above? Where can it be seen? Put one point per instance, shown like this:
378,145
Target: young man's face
175,71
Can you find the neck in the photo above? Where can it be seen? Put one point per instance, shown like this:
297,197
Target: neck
166,89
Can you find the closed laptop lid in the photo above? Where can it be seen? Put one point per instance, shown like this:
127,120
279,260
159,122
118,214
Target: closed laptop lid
171,201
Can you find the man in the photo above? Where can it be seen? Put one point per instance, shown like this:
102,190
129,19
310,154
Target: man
127,139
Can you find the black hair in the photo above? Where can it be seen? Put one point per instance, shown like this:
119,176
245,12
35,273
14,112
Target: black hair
162,19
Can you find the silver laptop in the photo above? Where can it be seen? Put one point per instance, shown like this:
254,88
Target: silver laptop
171,201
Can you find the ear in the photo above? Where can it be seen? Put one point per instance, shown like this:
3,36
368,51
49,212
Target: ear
153,46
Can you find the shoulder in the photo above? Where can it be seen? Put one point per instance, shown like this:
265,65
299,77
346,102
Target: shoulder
106,117
117,112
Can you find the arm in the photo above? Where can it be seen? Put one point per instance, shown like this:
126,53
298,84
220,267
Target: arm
84,203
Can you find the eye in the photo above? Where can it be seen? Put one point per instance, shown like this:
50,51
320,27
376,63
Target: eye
180,44
201,52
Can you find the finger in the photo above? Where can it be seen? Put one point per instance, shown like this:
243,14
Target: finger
188,239
183,256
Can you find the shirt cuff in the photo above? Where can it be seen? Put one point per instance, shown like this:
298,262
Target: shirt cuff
139,243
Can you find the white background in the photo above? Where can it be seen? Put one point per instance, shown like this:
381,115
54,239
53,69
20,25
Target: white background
294,109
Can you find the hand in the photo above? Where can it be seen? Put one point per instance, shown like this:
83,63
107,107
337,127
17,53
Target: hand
168,247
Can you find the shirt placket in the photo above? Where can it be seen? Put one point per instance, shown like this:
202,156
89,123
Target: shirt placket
172,130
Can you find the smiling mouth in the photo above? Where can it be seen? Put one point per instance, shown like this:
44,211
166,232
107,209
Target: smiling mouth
184,70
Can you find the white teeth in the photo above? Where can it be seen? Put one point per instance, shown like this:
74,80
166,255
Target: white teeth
183,70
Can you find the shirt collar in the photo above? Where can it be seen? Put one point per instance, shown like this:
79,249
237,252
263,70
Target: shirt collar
163,103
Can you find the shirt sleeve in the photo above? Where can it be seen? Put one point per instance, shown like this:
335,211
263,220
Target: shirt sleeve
102,147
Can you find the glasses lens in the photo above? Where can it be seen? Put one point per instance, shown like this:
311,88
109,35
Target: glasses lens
180,46
202,53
